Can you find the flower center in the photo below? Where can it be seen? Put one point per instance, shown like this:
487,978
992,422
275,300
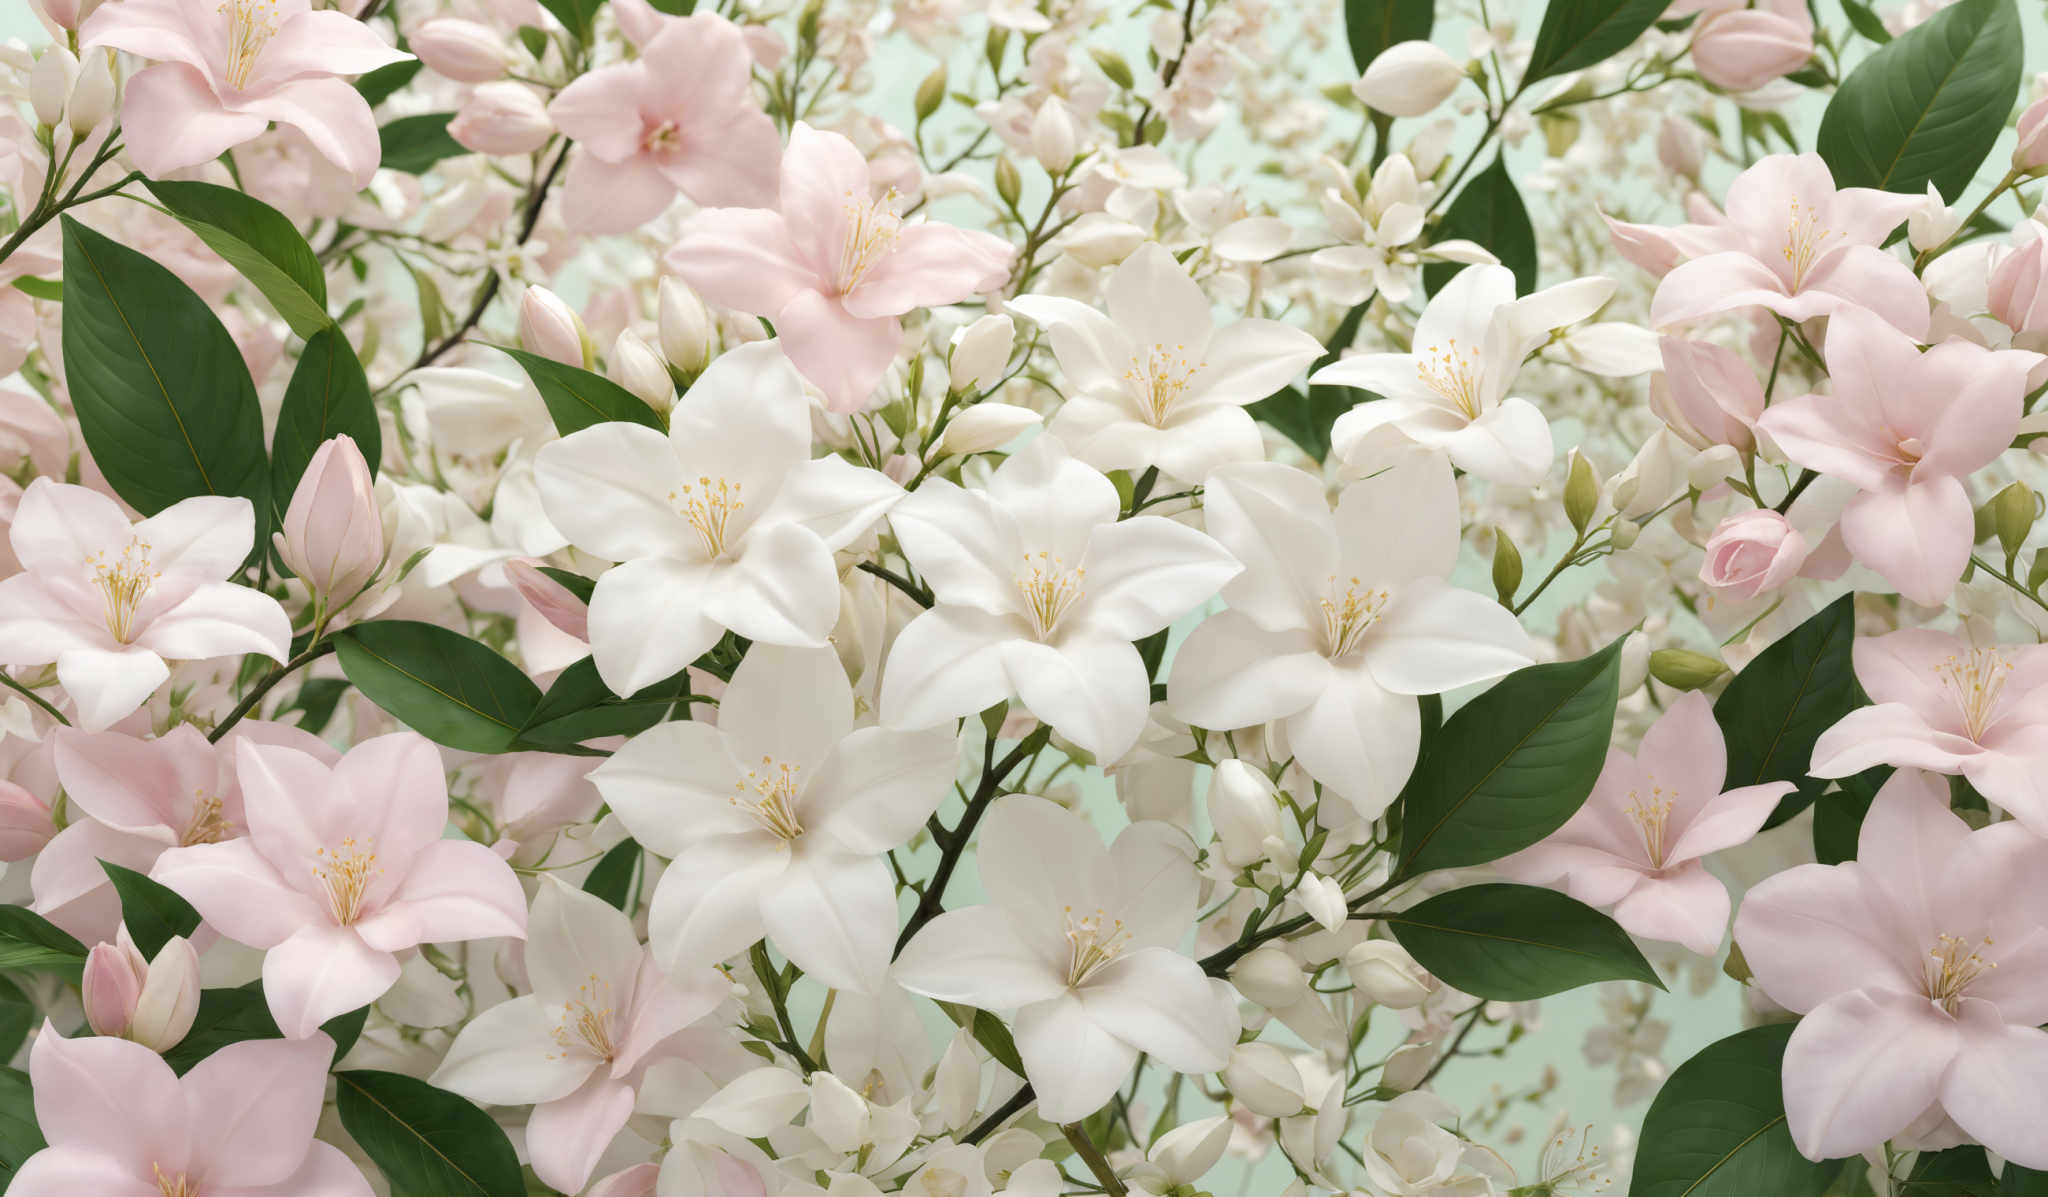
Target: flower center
1092,941
347,872
585,1023
1159,379
173,1186
1453,374
872,227
124,582
709,506
769,794
662,138
1952,965
1805,242
251,23
1050,589
1974,681
207,824
1650,817
1346,620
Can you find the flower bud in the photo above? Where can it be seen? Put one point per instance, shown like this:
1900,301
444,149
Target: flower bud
986,427
1581,491
1104,242
2031,153
1054,140
333,535
66,14
1681,147
2012,517
465,51
25,824
1507,567
1387,975
1635,661
1187,1152
170,997
92,97
1245,811
1622,533
551,328
1932,223
635,365
1683,669
930,94
1323,899
50,83
1409,79
111,987
550,598
1744,49
2018,288
1753,553
1009,184
839,1116
1264,1080
1713,466
1269,977
956,1085
980,351
687,336
502,118
1407,1067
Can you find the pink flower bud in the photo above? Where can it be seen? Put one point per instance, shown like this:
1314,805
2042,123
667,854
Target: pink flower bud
1708,396
111,987
550,327
550,598
2032,151
2019,288
66,14
502,118
333,536
1747,48
170,997
24,823
465,51
1753,553
1681,147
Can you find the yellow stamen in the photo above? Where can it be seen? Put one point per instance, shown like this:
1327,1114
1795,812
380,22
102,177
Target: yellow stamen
775,788
172,1186
1050,589
251,24
207,824
124,583
1347,620
1651,817
347,872
1453,374
1159,379
872,227
585,1023
1092,941
1974,681
1805,242
1951,965
709,506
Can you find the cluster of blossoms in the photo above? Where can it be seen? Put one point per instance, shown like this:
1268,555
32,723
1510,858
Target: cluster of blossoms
537,537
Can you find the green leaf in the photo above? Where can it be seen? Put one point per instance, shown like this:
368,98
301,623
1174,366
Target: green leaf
574,583
1306,417
1512,765
381,84
428,1142
995,1039
1957,1172
317,698
1838,817
153,913
31,943
612,877
1514,943
1717,1127
577,398
1373,25
161,392
1576,34
413,144
442,684
328,395
257,240
1489,211
233,1015
579,707
20,1137
1780,703
1865,21
2016,1181
1927,107
51,289
18,1016
675,8
577,16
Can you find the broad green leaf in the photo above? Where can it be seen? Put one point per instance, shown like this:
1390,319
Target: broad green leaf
1956,1172
257,240
233,1015
317,699
328,395
1838,817
1927,107
162,395
612,877
1780,703
577,398
2016,1181
18,1016
428,1142
442,684
1373,25
1512,765
1717,1127
1576,34
1305,417
31,943
578,707
153,913
1864,20
1490,212
1515,943
20,1137
577,16
381,84
413,144
996,1040
675,8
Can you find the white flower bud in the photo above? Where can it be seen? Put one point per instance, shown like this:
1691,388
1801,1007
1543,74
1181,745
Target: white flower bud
465,51
1187,1152
1323,899
1407,1066
1269,977
635,365
956,1085
502,118
92,97
1932,223
1100,243
49,84
839,1116
170,997
986,427
1409,79
687,335
1245,811
1387,975
550,327
1635,658
980,351
1264,1080
1713,466
1054,140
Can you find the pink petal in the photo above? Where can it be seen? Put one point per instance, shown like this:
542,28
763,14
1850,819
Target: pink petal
1887,734
136,785
1729,819
600,112
1866,278
1719,282
742,258
843,355
1916,536
822,174
931,265
254,1105
116,1099
220,619
614,197
172,120
58,527
1861,1068
1685,905
326,1172
455,890
320,42
69,1171
1816,931
320,973
332,114
159,30
237,892
566,1138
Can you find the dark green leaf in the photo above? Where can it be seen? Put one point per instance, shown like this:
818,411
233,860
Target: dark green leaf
1838,817
20,1137
31,943
1373,25
42,288
2016,1181
442,684
428,1142
1865,21
233,1015
1717,1127
162,395
574,583
328,396
18,1016
578,707
1576,34
1927,107
577,398
1489,211
413,144
1512,765
996,1040
1305,417
317,698
1773,711
1957,1172
612,877
675,8
153,913
381,84
577,16
1515,943
257,240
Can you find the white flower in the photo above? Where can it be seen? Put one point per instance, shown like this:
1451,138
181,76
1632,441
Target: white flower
1410,1154
1379,231
1079,941
1409,79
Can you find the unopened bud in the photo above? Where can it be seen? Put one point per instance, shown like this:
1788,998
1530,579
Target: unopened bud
502,118
1507,567
1187,1152
1269,977
50,83
333,534
550,327
687,335
839,1116
1113,67
1581,492
1009,184
2012,517
465,51
152,1003
986,427
1264,1080
1409,79
980,351
635,365
931,93
1683,669
1054,140
1244,809
1387,975
554,601
92,97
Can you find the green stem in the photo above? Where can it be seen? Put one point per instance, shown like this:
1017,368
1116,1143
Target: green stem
8,681
1092,1156
314,652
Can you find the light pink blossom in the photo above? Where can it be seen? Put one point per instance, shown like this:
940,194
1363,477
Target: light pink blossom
343,867
1905,428
1742,48
1753,553
1637,843
1922,970
1709,396
834,266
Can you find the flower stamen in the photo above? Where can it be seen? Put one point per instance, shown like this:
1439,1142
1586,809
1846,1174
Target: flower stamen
347,872
709,506
124,583
251,25
1952,965
1050,589
1159,379
585,1023
1092,941
1453,374
775,787
1974,682
1347,620
872,227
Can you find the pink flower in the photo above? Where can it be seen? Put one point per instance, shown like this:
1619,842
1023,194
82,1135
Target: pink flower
1637,843
224,69
1945,706
1905,428
342,868
25,825
333,535
152,1002
1709,397
1753,553
681,117
1922,970
834,267
1795,245
120,1123
2019,288
1741,48
505,117
2031,153
109,602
